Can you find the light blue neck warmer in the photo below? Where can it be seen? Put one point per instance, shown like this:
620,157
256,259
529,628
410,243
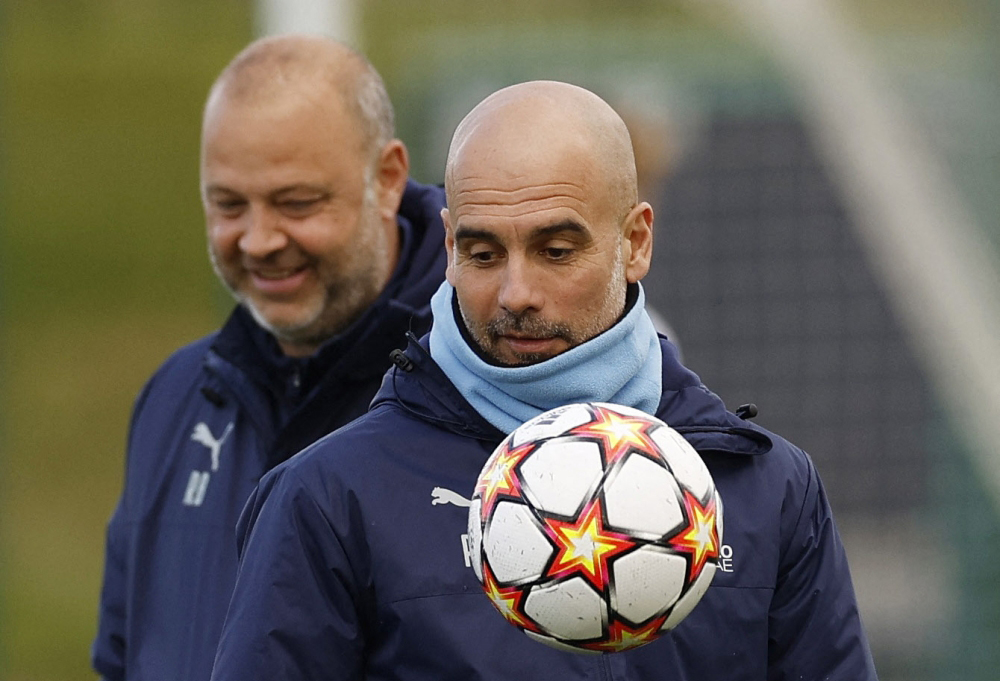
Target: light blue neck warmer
621,365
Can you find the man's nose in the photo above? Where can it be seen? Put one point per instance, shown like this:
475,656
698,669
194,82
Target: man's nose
263,234
519,290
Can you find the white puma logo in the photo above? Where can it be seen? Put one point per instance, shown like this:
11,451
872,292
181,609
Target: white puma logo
440,495
203,435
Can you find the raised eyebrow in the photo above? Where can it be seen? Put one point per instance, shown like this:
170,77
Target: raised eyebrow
558,228
474,234
321,192
218,189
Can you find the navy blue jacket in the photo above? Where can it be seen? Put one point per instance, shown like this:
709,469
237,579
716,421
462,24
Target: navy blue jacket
353,563
211,421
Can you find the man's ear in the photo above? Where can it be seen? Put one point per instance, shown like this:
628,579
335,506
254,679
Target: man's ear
391,173
449,244
638,237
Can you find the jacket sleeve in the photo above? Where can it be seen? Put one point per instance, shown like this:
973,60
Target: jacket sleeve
814,626
108,650
294,610
107,654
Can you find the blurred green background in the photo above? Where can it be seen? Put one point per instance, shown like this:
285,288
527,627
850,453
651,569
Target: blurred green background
103,274
103,269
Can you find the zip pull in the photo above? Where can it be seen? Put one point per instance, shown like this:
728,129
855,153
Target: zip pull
746,411
400,359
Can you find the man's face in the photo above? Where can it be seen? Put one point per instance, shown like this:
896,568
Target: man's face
294,229
537,258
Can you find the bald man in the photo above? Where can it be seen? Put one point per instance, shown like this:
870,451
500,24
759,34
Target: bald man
332,255
354,560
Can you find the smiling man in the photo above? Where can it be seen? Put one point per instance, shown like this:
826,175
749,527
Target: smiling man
351,565
300,195
333,255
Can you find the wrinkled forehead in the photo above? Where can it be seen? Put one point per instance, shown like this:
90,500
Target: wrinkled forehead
524,188
516,204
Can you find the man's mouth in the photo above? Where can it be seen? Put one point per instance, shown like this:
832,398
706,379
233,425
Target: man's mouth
278,281
276,274
527,344
524,336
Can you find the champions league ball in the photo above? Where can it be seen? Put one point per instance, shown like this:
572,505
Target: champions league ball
595,527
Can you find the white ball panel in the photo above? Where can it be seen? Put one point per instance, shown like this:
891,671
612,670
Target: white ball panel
647,582
687,602
642,497
559,475
684,461
475,539
571,610
551,423
515,546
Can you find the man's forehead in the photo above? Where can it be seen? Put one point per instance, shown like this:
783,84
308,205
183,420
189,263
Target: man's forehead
285,105
522,210
502,167
281,132
540,190
514,195
524,193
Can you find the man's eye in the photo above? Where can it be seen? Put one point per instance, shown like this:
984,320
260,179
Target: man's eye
230,206
558,253
299,205
482,257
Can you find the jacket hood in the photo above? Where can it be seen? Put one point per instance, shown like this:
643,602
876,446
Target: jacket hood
418,386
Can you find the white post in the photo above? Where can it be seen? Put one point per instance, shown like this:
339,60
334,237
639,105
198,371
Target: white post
337,19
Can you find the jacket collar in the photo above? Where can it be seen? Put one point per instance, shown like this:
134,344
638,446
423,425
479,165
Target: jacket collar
421,388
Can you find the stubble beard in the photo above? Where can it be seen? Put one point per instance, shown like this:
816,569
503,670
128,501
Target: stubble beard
352,285
488,336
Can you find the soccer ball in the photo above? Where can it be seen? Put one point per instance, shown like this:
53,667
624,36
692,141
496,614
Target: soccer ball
595,527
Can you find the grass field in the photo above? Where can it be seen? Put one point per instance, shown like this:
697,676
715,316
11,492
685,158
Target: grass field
103,274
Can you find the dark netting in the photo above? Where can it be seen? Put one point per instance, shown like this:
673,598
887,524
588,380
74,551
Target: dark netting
758,270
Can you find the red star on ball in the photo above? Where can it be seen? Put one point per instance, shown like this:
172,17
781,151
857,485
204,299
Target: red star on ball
619,434
499,477
622,637
584,546
508,600
700,538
